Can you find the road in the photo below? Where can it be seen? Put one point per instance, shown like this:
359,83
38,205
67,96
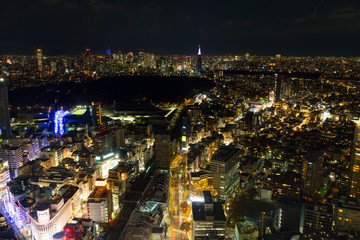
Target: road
177,217
129,204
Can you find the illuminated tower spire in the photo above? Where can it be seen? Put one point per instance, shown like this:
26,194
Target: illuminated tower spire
199,63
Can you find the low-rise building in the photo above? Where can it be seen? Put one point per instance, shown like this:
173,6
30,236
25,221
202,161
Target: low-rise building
100,205
246,230
49,217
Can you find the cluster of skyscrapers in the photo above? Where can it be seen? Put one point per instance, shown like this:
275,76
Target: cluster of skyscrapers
268,152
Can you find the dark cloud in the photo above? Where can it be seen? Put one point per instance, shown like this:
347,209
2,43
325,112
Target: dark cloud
350,12
167,27
314,14
51,1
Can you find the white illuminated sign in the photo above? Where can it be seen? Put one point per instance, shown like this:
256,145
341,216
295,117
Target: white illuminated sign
109,155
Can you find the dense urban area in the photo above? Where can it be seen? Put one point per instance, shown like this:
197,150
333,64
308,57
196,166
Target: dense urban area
270,149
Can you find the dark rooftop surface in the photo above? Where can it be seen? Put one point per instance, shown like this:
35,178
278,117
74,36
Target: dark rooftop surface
42,206
70,192
99,192
207,197
27,202
199,212
224,153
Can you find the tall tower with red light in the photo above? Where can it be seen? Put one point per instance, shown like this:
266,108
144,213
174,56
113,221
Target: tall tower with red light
87,59
199,62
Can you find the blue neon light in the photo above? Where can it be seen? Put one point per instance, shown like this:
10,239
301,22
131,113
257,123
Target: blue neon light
59,121
108,51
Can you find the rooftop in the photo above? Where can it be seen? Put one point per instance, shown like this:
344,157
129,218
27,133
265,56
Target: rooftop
27,202
247,227
51,149
199,212
99,192
70,192
225,153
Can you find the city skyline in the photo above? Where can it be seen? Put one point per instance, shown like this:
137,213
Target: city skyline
109,50
185,120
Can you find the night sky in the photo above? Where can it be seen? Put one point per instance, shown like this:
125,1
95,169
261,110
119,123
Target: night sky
260,27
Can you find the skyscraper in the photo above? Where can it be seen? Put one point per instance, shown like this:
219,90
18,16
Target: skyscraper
278,83
5,127
14,157
39,57
199,63
312,172
162,145
108,58
108,51
87,59
354,175
318,216
53,67
96,112
224,166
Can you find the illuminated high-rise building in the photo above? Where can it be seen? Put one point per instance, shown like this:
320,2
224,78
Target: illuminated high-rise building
87,59
96,111
108,51
354,175
278,83
318,216
108,58
121,57
199,62
5,127
347,215
53,67
286,90
12,154
311,172
271,96
39,56
4,173
224,165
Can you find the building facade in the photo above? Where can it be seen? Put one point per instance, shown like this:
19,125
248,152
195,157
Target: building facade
208,219
311,172
100,205
354,174
162,145
224,166
5,125
49,218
